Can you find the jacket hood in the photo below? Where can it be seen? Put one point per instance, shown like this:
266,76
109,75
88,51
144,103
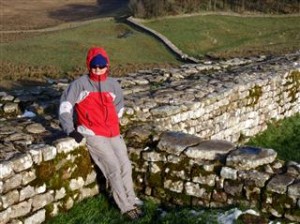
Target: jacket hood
93,52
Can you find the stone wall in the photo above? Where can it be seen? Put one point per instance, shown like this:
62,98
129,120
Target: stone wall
212,106
186,170
45,180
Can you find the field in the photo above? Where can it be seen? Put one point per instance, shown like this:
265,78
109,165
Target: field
61,53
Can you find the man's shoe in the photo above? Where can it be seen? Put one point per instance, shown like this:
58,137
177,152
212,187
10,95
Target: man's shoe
139,211
131,215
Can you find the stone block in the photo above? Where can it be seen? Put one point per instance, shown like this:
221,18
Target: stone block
194,189
208,179
22,162
66,145
294,190
36,153
12,183
41,200
6,169
247,157
233,188
210,150
27,177
21,209
49,152
5,215
259,178
88,192
228,173
27,192
91,178
176,142
37,218
10,198
280,183
76,184
153,156
175,186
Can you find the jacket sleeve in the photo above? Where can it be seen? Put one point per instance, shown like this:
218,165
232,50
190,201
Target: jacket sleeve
119,100
66,107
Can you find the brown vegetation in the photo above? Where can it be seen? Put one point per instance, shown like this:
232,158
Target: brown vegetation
155,8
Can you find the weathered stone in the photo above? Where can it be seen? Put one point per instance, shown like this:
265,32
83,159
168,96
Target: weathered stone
27,177
21,209
36,218
164,111
10,108
69,203
10,198
176,186
66,145
233,188
209,179
195,190
49,152
35,128
1,188
22,162
27,192
209,150
279,184
153,156
88,192
35,151
246,157
76,184
294,189
41,200
259,178
91,177
140,133
154,168
228,173
59,194
5,215
176,142
12,183
6,168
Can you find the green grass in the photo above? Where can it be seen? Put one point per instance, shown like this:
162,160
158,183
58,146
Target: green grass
64,51
230,35
98,210
282,136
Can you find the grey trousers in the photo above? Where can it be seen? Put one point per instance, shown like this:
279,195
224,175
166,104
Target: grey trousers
110,155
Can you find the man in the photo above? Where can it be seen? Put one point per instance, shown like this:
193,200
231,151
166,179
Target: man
97,101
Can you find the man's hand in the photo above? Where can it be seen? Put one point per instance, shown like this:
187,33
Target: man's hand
77,136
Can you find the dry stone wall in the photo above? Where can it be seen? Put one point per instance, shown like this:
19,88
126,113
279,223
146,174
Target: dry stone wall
186,170
182,128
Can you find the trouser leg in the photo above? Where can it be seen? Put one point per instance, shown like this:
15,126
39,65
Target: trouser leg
103,154
120,150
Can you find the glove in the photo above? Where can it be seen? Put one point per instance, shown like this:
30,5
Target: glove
77,136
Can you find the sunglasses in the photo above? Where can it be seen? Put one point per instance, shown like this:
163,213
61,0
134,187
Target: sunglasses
98,66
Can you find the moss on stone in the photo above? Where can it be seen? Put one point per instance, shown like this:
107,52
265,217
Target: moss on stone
293,79
56,173
155,180
254,94
83,162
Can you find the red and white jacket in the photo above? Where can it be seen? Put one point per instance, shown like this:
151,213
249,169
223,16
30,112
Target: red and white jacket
96,100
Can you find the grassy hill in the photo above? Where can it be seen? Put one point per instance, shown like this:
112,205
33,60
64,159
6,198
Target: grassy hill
62,53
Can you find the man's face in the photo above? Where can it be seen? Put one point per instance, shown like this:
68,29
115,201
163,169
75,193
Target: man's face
97,70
